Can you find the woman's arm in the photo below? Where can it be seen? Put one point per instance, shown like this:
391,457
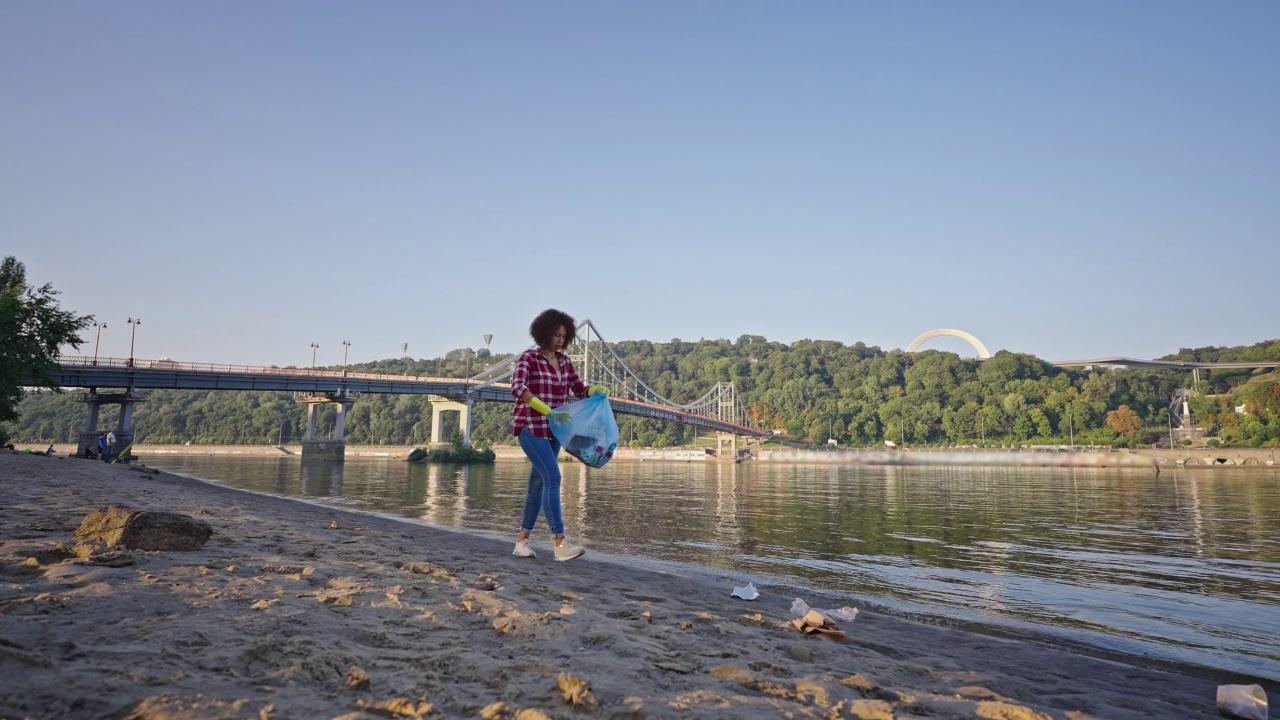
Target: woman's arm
520,379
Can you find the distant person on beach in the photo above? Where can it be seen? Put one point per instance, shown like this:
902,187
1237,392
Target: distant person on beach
49,452
111,445
102,445
544,378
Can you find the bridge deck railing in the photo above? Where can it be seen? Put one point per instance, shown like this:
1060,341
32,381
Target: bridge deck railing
175,366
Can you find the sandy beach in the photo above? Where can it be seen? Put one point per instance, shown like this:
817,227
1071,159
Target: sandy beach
293,610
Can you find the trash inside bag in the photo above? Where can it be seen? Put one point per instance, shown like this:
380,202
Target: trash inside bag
746,593
591,433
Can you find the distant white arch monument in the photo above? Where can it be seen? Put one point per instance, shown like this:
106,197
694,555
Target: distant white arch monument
951,332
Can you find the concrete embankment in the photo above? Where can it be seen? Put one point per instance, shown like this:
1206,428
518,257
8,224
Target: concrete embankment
504,452
962,458
1033,457
1215,457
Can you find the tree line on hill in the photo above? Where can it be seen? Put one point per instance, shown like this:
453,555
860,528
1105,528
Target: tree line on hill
810,391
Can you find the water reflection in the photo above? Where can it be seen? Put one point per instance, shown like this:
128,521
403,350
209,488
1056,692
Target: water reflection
432,514
573,488
1181,566
440,493
321,478
727,533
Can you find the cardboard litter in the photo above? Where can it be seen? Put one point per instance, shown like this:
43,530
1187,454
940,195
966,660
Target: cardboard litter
815,622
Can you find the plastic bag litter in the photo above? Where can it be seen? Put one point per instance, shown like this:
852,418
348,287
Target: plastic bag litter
746,593
800,608
1243,701
845,613
590,434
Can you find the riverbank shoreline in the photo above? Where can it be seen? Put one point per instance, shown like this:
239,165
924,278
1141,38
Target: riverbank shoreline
1159,459
294,609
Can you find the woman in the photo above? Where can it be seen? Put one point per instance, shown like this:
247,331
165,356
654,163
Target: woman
544,377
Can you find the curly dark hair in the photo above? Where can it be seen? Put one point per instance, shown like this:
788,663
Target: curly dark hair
543,327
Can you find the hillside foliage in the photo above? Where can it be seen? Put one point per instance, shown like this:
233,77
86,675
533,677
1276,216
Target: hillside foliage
810,391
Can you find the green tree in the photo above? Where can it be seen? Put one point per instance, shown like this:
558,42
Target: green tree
1040,422
32,328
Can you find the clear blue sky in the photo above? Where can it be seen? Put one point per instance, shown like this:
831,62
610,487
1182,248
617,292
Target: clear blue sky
1071,180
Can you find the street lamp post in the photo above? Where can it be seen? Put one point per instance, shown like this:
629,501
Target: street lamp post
134,322
97,336
346,345
314,347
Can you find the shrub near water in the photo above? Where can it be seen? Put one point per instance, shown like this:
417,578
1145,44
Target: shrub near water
457,453
462,455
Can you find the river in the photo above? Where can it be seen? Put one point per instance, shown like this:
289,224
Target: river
1183,566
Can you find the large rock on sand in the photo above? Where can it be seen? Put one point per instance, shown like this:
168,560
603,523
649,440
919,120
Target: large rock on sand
144,529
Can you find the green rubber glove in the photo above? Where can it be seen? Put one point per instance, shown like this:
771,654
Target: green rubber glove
556,415
597,390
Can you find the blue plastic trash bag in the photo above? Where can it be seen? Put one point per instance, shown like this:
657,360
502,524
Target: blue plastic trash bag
591,433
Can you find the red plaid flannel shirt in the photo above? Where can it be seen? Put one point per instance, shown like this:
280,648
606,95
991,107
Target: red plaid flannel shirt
536,374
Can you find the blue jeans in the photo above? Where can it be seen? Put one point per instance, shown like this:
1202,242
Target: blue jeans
544,483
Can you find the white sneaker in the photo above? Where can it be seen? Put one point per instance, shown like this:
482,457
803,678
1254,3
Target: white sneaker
565,551
524,549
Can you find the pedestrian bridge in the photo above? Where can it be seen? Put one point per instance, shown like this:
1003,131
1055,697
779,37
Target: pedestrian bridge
720,409
82,372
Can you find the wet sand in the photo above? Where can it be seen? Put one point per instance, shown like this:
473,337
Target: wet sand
293,610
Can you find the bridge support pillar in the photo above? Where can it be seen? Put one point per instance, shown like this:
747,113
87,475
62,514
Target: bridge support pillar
441,405
88,440
334,449
732,440
311,423
126,413
340,422
92,427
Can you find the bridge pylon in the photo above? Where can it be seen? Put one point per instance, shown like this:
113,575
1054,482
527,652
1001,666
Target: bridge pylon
88,440
735,453
441,405
334,449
